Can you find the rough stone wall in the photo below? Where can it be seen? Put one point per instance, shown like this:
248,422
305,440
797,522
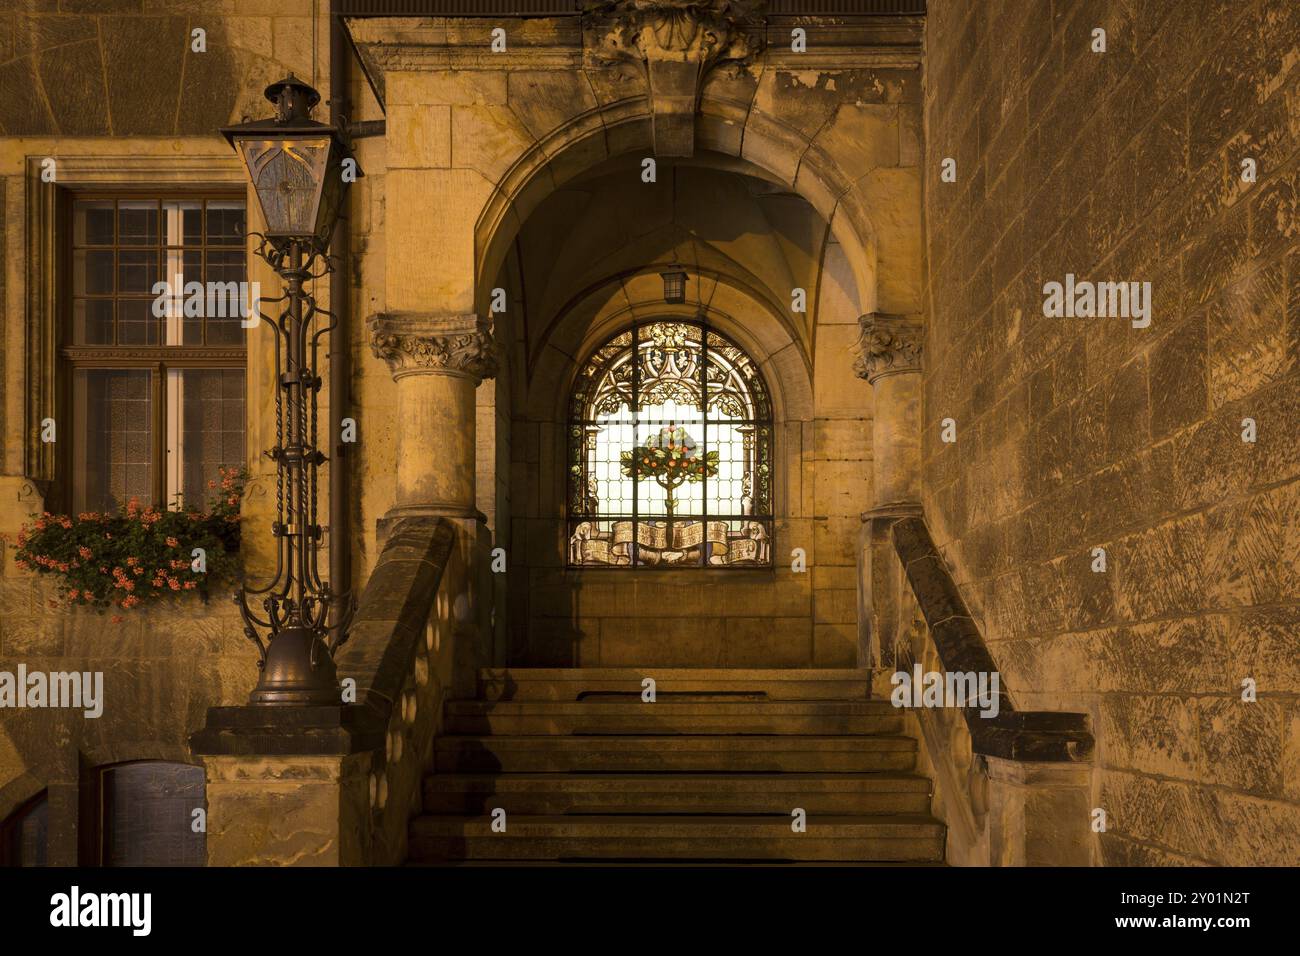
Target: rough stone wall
372,387
836,482
1079,433
162,669
128,68
492,466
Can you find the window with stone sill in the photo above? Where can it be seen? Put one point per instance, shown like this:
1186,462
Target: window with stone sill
156,402
670,453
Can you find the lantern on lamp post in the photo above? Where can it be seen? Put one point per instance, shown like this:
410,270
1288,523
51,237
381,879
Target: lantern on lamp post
298,171
674,285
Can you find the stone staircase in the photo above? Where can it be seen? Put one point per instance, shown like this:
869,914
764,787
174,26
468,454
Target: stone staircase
711,771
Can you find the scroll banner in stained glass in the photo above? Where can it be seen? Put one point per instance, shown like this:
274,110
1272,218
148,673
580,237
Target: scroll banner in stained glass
653,543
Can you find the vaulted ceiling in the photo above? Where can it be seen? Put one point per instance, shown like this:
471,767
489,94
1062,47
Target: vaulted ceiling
705,216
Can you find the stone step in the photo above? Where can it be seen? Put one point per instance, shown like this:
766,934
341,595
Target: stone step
899,838
550,794
674,753
575,683
591,716
658,864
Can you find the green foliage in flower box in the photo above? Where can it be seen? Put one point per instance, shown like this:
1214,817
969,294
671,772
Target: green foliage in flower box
128,558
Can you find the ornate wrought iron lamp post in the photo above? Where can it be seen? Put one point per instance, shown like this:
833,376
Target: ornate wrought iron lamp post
297,169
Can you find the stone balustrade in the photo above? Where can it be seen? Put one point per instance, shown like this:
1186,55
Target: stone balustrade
321,786
1014,786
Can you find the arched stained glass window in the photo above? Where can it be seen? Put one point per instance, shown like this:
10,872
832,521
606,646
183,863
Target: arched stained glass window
670,453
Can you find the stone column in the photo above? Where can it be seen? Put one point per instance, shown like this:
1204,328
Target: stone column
889,358
437,360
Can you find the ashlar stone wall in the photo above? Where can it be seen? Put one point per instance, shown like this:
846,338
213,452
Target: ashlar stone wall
162,668
1074,434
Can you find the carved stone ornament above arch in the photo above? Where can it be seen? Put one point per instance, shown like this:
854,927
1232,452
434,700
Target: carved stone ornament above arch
675,43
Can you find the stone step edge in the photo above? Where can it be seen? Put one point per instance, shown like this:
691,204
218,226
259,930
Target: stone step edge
887,780
808,707
682,743
617,862
752,826
722,674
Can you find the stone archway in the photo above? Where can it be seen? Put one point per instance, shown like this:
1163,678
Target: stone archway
536,175
477,143
838,125
742,247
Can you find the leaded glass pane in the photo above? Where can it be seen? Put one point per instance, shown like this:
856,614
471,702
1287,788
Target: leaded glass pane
93,272
114,415
207,434
669,453
92,322
204,270
226,223
93,223
137,222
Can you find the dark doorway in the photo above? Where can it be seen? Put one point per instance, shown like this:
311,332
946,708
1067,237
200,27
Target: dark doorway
24,837
148,815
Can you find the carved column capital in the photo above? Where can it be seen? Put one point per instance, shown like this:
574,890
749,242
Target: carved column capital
676,43
423,343
887,345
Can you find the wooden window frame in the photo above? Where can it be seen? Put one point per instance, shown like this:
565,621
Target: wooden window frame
187,165
157,359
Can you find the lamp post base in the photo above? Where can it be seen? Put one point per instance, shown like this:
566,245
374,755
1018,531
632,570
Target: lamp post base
288,676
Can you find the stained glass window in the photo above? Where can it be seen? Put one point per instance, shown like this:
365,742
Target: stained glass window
670,453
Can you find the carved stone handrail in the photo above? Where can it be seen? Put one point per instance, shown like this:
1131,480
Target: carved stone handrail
393,612
1040,736
337,784
400,653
